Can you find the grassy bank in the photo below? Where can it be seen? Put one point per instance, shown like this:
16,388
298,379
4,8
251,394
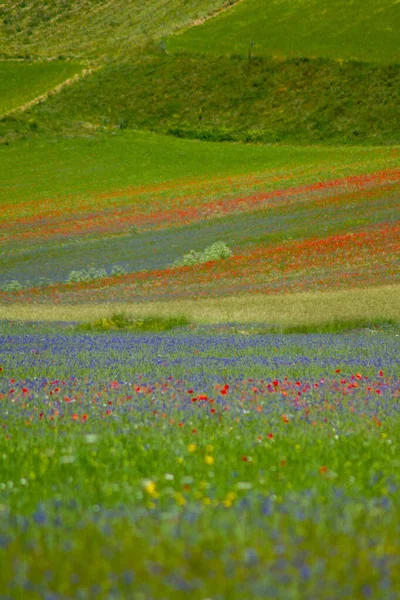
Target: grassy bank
298,101
22,82
335,29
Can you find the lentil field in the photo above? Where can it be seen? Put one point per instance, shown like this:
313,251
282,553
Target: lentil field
206,463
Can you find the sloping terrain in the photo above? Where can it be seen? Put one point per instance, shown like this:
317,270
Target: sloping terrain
294,218
363,30
83,192
22,82
222,98
90,28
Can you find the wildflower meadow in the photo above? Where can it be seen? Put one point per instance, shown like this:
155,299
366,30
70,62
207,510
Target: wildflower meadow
199,300
165,466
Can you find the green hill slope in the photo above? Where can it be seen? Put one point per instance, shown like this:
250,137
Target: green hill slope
296,101
91,28
362,29
22,82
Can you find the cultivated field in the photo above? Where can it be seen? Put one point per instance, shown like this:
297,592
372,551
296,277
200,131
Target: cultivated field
21,83
360,30
199,338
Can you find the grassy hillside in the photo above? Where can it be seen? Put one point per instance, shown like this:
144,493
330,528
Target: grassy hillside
91,28
21,82
362,30
295,101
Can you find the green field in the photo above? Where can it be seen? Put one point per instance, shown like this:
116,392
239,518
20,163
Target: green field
22,82
38,169
336,29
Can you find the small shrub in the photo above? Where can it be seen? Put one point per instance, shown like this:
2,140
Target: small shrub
217,251
118,270
86,275
12,286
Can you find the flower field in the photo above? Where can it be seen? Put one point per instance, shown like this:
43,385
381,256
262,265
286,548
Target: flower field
295,219
198,464
199,300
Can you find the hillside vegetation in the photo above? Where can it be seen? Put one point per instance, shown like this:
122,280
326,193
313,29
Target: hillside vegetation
363,30
246,74
22,82
89,192
92,29
223,98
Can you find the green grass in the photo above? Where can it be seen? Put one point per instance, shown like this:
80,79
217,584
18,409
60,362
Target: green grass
227,99
22,82
123,322
48,169
308,309
339,326
338,29
91,29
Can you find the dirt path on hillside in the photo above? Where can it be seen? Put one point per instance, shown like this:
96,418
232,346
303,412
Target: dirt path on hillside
214,14
56,90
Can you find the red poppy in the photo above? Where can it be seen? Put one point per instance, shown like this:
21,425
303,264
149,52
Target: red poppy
271,436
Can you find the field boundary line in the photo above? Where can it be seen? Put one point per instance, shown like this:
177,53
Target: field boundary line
218,12
53,91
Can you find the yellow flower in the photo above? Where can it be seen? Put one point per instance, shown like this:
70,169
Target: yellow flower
209,460
180,499
192,447
150,487
207,501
